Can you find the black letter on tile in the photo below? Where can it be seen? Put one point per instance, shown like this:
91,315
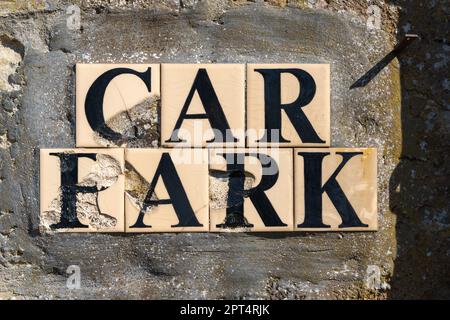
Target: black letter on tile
237,193
314,191
178,198
273,106
70,189
214,113
96,93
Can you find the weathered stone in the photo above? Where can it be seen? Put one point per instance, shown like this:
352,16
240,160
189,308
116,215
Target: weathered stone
9,61
15,6
404,115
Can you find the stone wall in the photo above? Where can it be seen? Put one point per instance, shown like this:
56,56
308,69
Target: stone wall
403,111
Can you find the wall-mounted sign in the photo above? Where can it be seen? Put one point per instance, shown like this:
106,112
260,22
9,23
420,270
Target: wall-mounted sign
206,147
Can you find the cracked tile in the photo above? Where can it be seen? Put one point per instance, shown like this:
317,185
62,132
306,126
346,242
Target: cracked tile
179,199
131,101
251,193
82,190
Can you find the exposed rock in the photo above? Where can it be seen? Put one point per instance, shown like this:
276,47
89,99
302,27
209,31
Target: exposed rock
4,142
9,61
218,189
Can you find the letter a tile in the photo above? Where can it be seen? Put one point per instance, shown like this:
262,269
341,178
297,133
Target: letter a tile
288,105
251,190
203,105
117,105
335,189
82,190
166,190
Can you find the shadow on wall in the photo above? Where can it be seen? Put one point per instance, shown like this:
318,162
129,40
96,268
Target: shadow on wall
419,185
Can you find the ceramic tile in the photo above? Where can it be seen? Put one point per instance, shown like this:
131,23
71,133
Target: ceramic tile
335,189
82,190
117,105
178,200
213,92
295,97
244,196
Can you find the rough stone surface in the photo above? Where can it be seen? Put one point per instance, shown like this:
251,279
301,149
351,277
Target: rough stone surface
138,126
403,111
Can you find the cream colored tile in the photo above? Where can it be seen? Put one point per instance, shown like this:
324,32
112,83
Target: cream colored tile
97,175
130,109
268,202
181,177
222,90
353,191
267,89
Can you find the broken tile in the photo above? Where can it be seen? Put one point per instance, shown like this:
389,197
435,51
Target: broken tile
293,97
82,190
253,192
166,190
199,97
335,189
117,105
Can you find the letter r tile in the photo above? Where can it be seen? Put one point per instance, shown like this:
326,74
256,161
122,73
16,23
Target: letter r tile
288,105
251,190
82,190
203,105
166,190
117,105
335,189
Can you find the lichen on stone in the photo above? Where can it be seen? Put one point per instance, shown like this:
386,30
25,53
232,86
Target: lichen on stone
14,6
